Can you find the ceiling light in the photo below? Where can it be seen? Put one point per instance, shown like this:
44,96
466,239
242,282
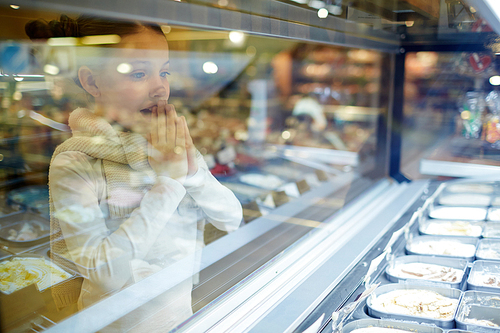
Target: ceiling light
15,6
19,79
62,41
51,69
323,13
124,68
236,37
101,39
495,80
210,67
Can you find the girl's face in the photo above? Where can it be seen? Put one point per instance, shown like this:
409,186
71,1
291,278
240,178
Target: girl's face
134,80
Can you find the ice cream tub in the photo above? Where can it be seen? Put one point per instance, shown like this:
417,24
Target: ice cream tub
479,312
436,271
417,303
470,187
491,230
494,214
484,276
394,325
464,199
21,271
451,228
488,249
451,247
458,213
24,229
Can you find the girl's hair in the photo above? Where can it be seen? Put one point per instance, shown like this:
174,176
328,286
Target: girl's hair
84,26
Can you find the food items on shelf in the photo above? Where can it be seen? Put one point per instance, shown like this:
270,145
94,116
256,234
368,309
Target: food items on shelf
465,199
269,182
491,230
458,213
452,228
494,214
27,231
444,247
417,270
470,188
486,280
416,302
378,330
482,322
20,272
489,251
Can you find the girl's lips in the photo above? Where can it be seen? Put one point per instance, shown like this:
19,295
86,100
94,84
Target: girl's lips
147,111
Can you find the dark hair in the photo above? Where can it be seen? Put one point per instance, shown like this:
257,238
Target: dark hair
84,26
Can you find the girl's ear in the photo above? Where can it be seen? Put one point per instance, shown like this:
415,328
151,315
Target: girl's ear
88,81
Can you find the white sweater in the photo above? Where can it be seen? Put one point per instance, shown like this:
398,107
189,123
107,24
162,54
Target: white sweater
114,253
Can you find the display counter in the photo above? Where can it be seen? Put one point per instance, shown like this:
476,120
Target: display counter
314,142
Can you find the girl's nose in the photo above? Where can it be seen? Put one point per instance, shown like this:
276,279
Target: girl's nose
157,89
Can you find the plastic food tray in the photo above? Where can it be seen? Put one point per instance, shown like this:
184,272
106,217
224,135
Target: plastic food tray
470,187
457,213
461,240
494,214
464,199
363,323
446,292
483,246
478,305
460,264
483,266
36,256
422,228
491,230
16,222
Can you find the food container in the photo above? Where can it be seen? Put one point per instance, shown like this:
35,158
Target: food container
484,271
460,264
50,274
481,306
457,213
432,245
491,230
464,199
33,198
446,292
472,187
4,254
24,229
364,323
451,228
488,249
494,214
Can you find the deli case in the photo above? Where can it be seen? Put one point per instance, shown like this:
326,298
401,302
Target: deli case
360,139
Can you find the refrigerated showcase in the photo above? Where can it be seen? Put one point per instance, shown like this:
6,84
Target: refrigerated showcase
319,207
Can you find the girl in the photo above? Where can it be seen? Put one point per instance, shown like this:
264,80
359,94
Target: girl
128,190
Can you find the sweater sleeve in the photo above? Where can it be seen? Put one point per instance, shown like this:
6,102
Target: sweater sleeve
219,204
102,253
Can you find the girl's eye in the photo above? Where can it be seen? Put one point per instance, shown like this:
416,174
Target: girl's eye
164,74
138,75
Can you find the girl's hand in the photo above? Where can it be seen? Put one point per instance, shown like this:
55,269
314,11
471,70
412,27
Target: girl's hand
191,152
167,154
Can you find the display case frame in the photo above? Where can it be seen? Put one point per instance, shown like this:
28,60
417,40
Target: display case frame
381,207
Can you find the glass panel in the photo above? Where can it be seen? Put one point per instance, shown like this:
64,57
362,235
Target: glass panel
109,192
451,114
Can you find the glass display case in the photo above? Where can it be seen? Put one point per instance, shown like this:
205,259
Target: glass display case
236,166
